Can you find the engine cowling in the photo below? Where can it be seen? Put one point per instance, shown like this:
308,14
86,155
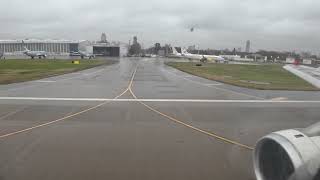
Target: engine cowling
289,155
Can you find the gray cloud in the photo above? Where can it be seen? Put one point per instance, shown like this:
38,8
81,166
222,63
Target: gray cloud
272,24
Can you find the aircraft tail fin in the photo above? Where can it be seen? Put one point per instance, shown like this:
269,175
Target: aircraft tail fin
24,47
174,50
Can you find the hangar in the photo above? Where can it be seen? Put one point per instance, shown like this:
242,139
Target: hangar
112,51
50,46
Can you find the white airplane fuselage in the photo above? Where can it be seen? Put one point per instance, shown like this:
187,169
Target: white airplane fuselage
185,54
33,54
86,55
214,58
201,56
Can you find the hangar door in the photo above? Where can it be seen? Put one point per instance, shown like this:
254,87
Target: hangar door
106,51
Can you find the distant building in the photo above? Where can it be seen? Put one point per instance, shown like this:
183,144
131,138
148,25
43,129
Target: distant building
50,46
248,44
111,51
99,48
192,48
162,52
234,51
157,48
290,60
135,40
167,49
305,54
103,49
103,38
135,48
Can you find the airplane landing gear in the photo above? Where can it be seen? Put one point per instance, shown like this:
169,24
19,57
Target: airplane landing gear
203,60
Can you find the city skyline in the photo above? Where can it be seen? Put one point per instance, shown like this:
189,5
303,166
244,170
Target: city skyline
217,24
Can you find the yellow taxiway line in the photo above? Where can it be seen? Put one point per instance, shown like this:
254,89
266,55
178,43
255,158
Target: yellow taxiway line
214,135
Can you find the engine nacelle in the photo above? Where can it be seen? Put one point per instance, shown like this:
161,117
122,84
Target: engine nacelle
289,155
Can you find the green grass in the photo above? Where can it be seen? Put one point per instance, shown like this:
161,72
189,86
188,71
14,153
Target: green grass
273,77
12,71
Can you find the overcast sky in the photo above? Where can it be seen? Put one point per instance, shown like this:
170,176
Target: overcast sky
269,24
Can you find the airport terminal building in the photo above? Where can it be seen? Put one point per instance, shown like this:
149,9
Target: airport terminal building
50,46
63,47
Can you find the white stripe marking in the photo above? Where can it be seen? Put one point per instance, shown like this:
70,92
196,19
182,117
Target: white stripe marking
43,81
154,100
279,99
216,84
78,75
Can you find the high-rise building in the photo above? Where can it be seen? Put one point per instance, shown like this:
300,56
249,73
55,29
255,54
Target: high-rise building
192,48
157,48
135,40
248,46
103,38
135,48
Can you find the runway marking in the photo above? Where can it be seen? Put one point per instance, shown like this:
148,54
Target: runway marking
222,89
95,72
213,84
59,80
51,122
63,118
22,87
279,99
43,81
221,138
154,100
81,75
13,112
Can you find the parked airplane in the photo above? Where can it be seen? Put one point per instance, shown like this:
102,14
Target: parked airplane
86,55
175,53
185,54
202,57
72,53
32,54
215,58
190,56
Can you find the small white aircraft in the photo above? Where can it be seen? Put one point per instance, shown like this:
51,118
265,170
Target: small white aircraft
32,54
190,56
202,57
86,55
185,54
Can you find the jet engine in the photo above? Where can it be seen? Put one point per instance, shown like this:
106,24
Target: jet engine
292,154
